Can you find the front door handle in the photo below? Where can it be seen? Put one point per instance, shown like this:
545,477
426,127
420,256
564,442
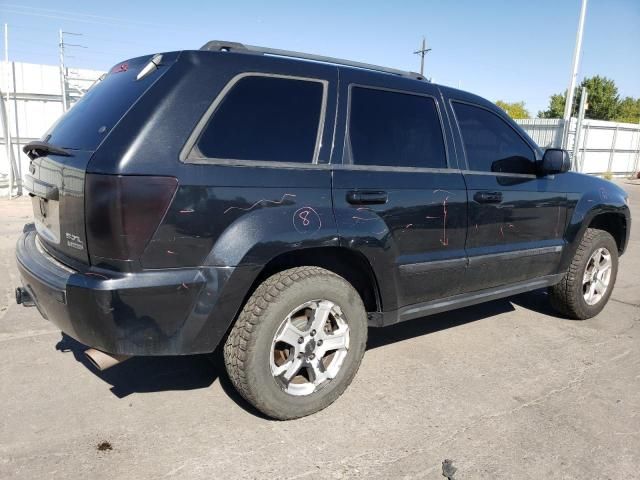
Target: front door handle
367,197
488,197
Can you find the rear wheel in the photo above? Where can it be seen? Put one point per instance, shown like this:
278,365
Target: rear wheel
586,287
297,343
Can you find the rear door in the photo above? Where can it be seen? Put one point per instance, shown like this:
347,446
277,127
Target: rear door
398,196
516,218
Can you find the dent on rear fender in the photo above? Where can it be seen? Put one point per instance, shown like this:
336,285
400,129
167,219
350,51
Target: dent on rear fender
228,226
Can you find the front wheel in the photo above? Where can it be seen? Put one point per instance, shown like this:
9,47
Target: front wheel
297,343
586,287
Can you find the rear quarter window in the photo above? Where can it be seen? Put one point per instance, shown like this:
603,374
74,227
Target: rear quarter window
265,118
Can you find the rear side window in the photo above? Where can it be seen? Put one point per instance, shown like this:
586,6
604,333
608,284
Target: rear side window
395,129
491,144
265,118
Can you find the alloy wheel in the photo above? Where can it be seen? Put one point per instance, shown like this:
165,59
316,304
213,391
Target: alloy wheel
309,347
597,276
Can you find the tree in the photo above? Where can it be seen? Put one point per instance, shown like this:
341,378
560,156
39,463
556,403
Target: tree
556,107
514,109
629,110
603,100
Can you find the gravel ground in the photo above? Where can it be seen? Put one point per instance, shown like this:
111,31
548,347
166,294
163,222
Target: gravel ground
504,390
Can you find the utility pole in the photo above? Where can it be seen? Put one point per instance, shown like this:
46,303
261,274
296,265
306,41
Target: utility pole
5,117
6,42
64,86
577,164
568,105
63,77
422,52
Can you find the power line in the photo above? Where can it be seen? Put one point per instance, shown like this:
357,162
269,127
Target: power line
28,39
37,11
64,71
81,20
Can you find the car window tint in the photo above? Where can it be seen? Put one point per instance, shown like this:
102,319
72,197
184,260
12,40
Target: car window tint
89,121
265,118
395,129
490,143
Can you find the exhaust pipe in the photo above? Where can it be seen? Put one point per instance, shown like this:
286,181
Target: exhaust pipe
102,360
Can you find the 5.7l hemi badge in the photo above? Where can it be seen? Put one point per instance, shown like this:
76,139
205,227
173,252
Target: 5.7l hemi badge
74,241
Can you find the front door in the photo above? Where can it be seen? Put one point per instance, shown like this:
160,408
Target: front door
515,218
396,198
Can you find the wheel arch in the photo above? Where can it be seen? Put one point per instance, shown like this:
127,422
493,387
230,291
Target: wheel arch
615,224
602,209
349,264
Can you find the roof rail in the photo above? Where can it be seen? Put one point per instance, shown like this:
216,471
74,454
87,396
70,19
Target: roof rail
224,46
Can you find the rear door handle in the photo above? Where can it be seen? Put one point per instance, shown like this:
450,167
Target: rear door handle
488,197
366,197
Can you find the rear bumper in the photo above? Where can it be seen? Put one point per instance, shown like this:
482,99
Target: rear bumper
162,312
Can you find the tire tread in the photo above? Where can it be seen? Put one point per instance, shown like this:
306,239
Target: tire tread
564,295
239,341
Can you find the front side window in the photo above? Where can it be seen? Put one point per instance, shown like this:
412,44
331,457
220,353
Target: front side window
265,118
395,129
490,143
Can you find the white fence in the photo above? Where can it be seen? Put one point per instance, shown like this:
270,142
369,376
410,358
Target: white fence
603,147
34,103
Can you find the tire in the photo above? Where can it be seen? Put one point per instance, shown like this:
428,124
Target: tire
568,296
285,305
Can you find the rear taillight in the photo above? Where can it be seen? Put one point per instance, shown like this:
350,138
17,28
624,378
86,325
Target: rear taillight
123,212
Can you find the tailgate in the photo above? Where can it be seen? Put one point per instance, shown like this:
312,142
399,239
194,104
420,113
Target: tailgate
56,186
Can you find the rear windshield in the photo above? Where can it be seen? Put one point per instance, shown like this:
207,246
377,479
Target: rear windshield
91,119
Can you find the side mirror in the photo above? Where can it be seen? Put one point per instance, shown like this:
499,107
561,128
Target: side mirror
555,160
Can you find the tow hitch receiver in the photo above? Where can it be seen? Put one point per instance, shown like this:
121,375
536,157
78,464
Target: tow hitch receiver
23,297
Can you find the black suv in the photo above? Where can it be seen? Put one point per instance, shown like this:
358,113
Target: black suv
281,203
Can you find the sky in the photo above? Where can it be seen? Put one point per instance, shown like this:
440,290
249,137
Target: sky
503,50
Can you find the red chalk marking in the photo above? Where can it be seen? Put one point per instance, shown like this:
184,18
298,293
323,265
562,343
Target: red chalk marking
262,200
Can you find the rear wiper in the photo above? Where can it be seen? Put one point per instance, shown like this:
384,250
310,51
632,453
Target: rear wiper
37,149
